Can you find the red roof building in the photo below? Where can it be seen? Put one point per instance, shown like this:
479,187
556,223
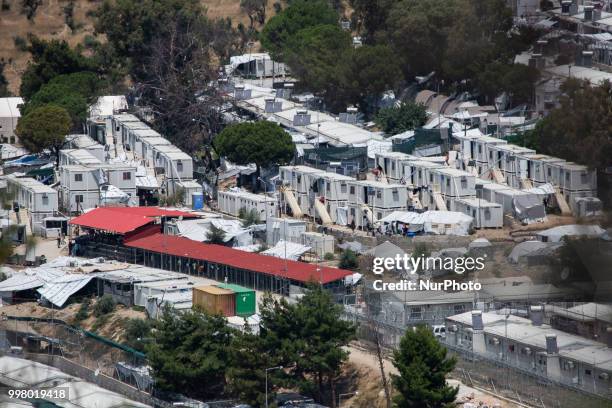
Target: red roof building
123,220
228,257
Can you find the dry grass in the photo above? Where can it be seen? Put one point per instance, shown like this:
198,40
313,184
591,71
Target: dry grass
49,23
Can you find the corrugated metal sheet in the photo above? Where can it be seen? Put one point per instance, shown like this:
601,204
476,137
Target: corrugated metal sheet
215,300
121,220
58,291
20,282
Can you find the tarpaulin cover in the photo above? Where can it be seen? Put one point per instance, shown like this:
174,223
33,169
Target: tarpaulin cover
528,208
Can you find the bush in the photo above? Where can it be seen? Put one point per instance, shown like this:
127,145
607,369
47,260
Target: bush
83,312
105,305
328,256
20,43
248,217
348,260
136,332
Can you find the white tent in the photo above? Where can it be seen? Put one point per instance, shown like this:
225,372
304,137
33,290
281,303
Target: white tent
287,250
556,234
432,222
525,248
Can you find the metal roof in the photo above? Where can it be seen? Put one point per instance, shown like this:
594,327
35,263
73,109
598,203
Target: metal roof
523,331
121,220
293,270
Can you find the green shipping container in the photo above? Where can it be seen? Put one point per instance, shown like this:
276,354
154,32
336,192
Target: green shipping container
245,299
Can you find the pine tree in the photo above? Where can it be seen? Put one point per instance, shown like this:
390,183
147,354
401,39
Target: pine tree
308,338
423,364
246,375
215,235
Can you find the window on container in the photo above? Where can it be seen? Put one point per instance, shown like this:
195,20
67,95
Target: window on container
78,177
447,181
45,200
487,214
379,193
299,179
392,165
416,313
327,187
378,215
343,188
395,194
567,176
479,149
549,172
463,182
127,175
430,178
353,212
352,190
179,166
78,198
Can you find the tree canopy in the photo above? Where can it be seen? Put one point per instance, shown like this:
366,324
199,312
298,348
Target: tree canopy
423,364
307,339
49,60
263,143
43,128
300,14
189,353
73,92
398,119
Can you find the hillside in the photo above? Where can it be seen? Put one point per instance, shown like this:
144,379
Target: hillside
50,22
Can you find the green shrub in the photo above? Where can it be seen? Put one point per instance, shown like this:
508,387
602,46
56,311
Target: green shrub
83,312
104,305
348,260
328,256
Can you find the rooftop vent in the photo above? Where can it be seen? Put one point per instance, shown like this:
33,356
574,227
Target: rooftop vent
587,59
588,13
350,116
273,106
477,320
301,118
565,7
551,344
537,315
240,93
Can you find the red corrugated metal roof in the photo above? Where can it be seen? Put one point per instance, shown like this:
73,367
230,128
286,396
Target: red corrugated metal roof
122,220
179,246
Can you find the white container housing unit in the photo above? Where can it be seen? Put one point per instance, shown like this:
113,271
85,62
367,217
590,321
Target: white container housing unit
476,149
446,185
84,187
118,122
370,201
136,138
505,158
231,202
173,162
39,199
501,194
418,173
287,229
84,142
485,213
537,168
320,244
329,193
78,156
392,164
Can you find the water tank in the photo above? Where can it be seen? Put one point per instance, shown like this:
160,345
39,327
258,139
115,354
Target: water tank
197,201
